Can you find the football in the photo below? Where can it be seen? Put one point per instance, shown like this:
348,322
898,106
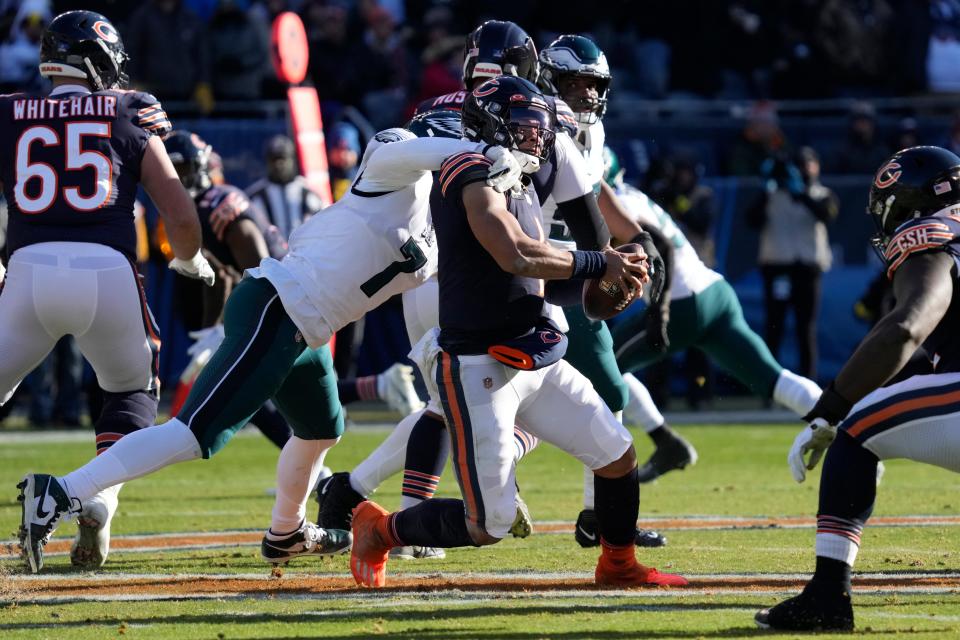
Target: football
603,299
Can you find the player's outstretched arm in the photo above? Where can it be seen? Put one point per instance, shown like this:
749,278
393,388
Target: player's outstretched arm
515,252
923,289
176,208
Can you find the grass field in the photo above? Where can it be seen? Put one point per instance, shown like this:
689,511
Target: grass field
186,560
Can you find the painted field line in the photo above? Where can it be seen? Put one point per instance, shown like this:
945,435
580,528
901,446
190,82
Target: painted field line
246,537
30,588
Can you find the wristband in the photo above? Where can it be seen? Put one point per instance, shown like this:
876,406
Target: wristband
588,265
831,406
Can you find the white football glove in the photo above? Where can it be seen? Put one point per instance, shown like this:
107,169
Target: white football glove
814,439
205,340
196,267
505,173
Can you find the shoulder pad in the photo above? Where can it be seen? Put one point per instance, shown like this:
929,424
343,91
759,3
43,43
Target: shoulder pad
150,114
918,236
459,165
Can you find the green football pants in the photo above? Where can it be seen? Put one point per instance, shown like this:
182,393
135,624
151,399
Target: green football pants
590,351
262,357
713,322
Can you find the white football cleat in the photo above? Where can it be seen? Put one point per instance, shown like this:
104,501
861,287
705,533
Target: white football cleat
92,544
395,386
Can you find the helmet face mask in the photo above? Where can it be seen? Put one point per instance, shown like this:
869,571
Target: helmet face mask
574,69
511,112
84,45
913,183
498,48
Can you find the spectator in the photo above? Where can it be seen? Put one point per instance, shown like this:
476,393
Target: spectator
907,134
943,47
851,39
691,204
20,51
760,140
862,152
167,53
237,52
343,155
283,194
388,67
792,215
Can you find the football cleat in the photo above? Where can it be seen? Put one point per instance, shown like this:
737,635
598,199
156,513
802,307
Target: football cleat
585,533
627,572
676,453
43,502
809,611
308,540
92,544
337,500
523,524
395,386
368,557
418,553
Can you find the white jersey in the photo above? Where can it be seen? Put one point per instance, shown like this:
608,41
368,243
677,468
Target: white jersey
375,242
574,178
690,275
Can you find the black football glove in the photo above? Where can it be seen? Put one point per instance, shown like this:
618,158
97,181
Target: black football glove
658,271
658,318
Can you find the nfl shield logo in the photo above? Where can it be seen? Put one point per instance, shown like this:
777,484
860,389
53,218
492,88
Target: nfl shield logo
488,383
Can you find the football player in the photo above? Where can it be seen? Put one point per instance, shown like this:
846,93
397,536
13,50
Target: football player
238,234
70,163
277,323
565,187
704,312
496,358
914,202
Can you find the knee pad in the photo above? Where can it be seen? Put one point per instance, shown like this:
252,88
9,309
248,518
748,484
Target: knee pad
123,413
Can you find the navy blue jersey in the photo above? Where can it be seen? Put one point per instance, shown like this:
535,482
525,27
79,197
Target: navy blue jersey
480,304
221,206
70,164
921,235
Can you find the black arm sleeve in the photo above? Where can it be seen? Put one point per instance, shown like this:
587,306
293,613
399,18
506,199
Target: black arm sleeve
564,293
585,222
665,247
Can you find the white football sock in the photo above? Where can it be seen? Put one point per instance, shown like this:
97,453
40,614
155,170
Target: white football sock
297,470
640,410
587,488
134,455
796,393
386,460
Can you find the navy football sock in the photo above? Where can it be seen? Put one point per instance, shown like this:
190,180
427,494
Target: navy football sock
354,389
440,522
617,502
848,483
427,448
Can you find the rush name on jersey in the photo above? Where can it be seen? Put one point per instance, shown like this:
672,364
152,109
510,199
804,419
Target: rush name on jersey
70,164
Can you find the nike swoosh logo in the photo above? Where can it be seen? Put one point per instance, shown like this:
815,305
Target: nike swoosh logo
589,536
40,512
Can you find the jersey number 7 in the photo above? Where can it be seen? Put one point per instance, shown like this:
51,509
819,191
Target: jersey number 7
414,260
76,160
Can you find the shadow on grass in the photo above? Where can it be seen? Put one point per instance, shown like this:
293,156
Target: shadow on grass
431,623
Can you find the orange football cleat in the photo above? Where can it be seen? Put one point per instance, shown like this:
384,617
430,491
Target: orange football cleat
618,567
371,545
